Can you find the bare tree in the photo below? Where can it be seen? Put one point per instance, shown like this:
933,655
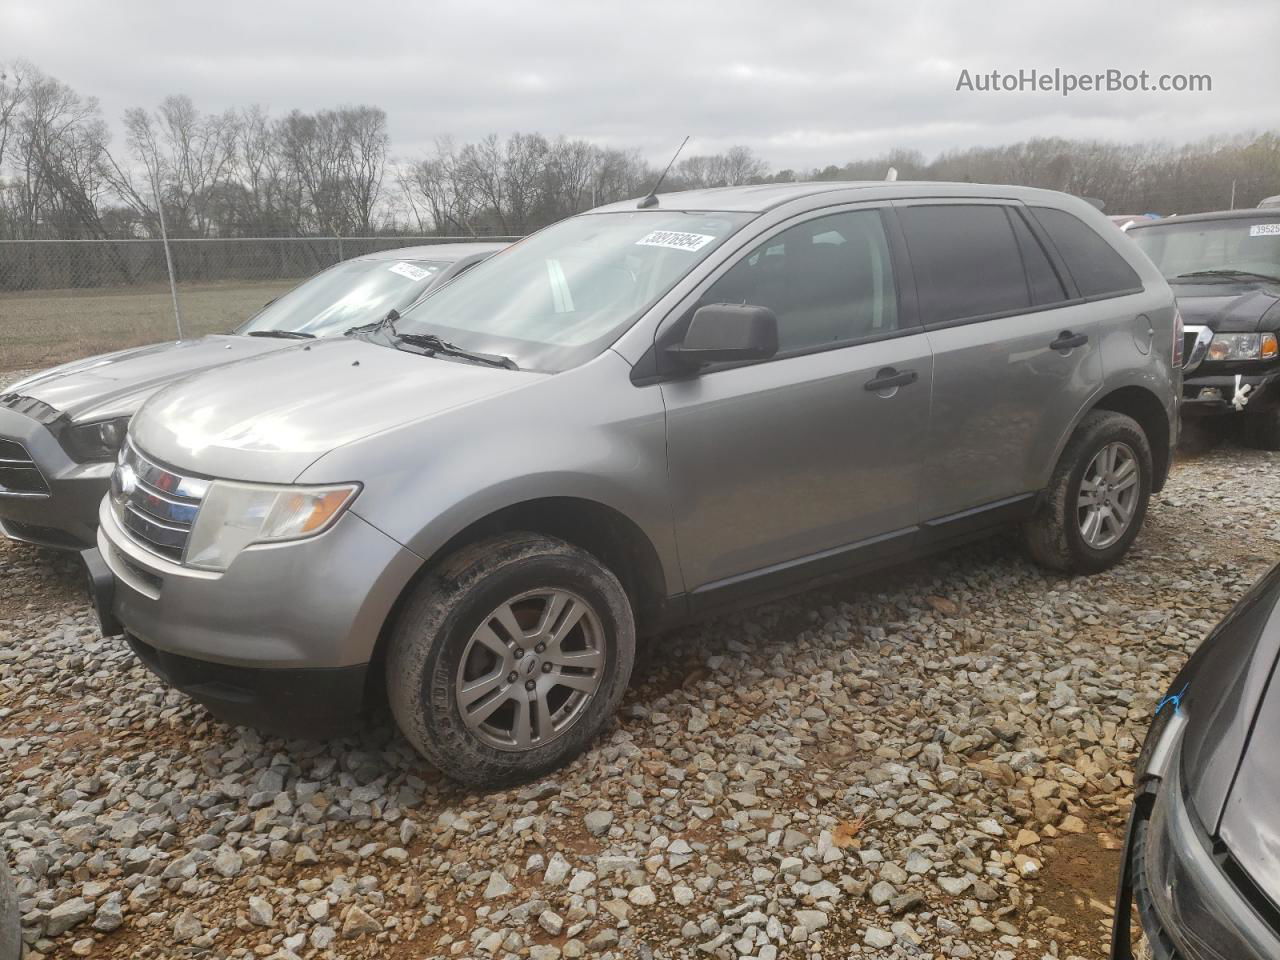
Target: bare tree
188,158
56,148
364,157
339,157
12,94
440,187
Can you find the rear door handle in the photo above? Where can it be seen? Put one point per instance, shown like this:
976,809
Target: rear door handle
1069,341
888,378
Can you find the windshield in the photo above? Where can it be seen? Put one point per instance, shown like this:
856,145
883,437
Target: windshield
1248,245
350,294
560,297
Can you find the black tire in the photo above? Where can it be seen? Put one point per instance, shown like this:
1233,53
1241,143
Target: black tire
1148,921
10,930
1264,429
446,608
1052,535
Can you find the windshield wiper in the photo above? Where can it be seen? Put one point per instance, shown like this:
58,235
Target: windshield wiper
388,322
283,334
1227,275
432,345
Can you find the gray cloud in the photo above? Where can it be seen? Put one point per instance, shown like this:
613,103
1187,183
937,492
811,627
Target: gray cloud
802,83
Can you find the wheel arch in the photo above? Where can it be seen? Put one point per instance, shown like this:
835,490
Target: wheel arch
606,533
1145,407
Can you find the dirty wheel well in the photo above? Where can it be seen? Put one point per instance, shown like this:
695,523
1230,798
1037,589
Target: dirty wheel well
1143,407
606,534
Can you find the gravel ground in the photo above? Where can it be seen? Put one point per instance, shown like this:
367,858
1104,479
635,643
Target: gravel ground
933,762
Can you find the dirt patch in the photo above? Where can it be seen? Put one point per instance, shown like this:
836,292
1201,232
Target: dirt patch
1078,887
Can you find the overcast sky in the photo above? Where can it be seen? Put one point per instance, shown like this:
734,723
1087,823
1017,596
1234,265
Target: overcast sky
802,83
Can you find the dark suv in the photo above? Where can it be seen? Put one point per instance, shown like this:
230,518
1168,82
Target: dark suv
1225,271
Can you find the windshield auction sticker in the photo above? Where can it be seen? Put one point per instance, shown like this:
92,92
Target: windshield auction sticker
675,240
1265,230
409,270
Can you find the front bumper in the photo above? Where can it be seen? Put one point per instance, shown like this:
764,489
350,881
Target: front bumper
1265,394
1189,905
281,640
67,516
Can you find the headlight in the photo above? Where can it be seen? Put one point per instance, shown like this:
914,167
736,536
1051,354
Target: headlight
1242,346
96,442
234,515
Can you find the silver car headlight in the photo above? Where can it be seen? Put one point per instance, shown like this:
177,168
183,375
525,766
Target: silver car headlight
234,516
1242,346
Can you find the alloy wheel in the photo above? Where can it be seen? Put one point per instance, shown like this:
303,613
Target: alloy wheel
1108,495
530,669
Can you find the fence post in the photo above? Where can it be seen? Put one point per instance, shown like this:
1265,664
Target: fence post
168,257
339,239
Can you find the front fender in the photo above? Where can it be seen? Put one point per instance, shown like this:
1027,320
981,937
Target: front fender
587,434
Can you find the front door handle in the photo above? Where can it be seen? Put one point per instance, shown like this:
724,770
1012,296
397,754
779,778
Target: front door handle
888,378
1069,341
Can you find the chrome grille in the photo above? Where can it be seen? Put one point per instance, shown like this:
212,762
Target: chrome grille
19,476
155,506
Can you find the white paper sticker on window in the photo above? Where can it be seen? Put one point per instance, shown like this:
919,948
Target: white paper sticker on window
675,240
1265,230
409,270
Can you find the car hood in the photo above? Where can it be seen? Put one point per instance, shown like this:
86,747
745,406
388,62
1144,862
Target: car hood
1223,683
117,384
1229,754
267,419
1231,307
1251,818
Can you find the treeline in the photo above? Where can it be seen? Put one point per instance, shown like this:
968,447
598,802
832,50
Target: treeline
249,173
1210,174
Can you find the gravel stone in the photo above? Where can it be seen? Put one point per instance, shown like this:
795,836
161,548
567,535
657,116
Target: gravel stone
908,758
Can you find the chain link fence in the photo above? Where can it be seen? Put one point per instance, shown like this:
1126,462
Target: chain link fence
65,299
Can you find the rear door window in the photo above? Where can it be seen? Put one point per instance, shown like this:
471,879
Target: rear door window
1098,270
966,260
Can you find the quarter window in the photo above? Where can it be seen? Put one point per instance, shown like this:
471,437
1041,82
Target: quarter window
828,280
1042,279
966,261
1098,270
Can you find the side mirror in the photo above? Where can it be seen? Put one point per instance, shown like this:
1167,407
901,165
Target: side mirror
725,333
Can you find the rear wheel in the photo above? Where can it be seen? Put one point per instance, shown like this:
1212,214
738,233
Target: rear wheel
510,657
1096,500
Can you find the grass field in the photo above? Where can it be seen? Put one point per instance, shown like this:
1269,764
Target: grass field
45,327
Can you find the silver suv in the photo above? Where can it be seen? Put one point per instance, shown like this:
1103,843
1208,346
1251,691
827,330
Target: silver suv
635,417
60,430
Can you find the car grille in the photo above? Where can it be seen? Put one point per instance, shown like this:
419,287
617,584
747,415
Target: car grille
19,476
155,506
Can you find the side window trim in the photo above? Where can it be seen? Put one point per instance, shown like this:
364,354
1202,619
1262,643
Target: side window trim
907,315
1055,258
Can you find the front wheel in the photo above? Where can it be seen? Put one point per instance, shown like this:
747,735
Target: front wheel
509,658
1097,497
